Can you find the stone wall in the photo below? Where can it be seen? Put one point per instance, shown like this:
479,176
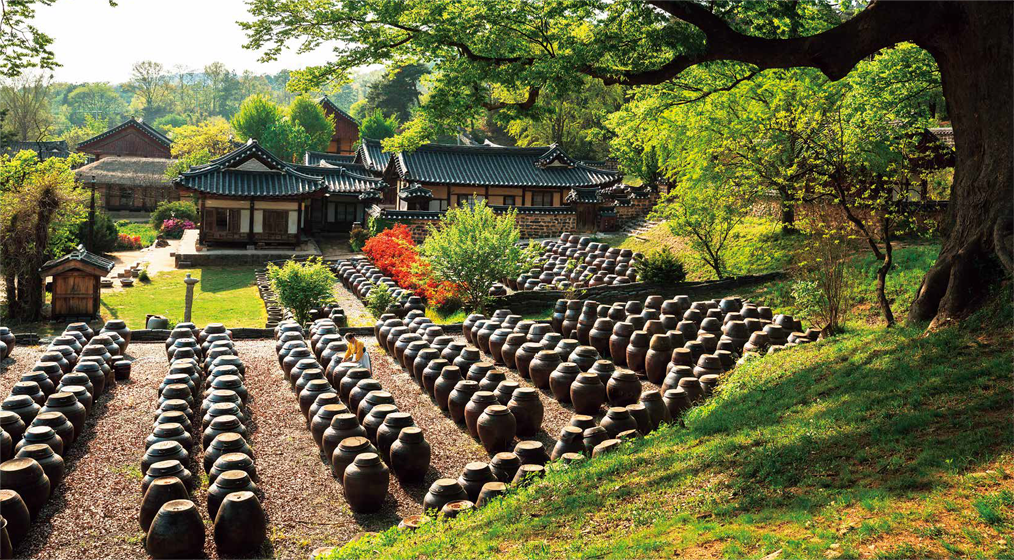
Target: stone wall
637,209
532,302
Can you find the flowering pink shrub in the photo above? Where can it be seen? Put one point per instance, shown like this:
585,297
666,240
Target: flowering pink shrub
173,228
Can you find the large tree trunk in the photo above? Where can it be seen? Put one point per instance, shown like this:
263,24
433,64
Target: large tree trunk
975,55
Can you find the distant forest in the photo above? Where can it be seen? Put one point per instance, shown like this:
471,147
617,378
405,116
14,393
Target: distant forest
35,108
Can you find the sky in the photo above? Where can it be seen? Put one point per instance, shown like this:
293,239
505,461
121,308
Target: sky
98,43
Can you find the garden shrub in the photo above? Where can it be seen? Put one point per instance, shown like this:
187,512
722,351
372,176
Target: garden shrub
302,286
380,299
180,210
472,248
106,234
660,267
358,237
173,228
397,256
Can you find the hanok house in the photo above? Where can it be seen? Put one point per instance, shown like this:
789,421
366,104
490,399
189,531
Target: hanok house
537,179
249,196
129,171
76,284
128,184
346,128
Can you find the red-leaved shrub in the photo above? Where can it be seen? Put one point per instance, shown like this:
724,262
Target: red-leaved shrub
396,255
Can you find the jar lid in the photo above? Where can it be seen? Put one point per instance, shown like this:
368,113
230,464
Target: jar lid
496,410
354,443
411,434
366,460
233,479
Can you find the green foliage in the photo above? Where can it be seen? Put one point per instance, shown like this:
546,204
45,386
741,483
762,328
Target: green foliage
143,275
660,267
36,198
358,237
380,299
309,115
97,100
181,210
198,144
376,126
302,286
397,92
286,141
473,247
106,233
705,212
65,237
167,123
256,115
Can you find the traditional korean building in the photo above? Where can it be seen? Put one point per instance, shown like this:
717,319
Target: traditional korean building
129,168
437,176
346,128
251,197
132,138
125,185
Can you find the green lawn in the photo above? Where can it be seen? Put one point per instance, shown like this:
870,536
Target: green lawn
878,443
224,295
145,231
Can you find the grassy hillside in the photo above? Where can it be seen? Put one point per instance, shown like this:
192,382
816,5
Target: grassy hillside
878,443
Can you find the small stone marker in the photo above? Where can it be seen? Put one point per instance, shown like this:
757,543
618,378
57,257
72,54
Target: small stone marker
190,282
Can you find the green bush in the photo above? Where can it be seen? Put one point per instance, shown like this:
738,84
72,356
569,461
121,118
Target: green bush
358,237
106,233
660,267
379,299
302,286
181,210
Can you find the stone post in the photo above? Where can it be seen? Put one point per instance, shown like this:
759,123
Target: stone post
190,282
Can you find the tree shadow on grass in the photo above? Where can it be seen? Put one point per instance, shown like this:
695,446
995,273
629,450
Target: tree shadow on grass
887,411
224,279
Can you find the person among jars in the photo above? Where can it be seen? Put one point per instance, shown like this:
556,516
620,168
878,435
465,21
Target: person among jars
357,353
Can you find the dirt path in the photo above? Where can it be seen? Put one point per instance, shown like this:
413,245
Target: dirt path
355,311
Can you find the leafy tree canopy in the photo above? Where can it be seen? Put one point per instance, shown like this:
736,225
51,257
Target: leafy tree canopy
376,126
309,115
256,114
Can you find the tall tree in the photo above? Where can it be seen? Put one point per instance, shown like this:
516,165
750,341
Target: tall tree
255,116
519,47
223,89
310,116
25,99
96,100
149,82
376,126
34,196
397,92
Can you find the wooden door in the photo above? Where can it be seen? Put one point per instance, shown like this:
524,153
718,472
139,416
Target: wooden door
586,217
74,294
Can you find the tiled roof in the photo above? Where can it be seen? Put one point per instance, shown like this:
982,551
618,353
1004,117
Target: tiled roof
584,195
224,176
316,158
408,214
81,255
134,171
550,210
136,123
371,194
544,166
371,155
341,180
945,134
415,191
328,105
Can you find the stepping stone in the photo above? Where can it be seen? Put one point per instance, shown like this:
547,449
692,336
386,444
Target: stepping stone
126,282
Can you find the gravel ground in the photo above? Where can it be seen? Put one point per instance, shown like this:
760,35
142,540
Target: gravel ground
355,310
95,509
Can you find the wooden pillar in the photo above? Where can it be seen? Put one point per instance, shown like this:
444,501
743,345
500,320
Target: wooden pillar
204,222
250,234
